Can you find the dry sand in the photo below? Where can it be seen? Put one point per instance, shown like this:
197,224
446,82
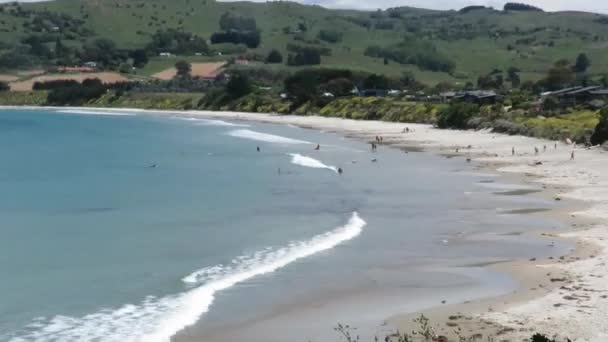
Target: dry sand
566,297
106,77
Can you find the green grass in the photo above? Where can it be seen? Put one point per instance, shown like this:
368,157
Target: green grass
128,23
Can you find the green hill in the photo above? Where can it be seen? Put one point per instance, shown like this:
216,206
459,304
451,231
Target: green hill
403,39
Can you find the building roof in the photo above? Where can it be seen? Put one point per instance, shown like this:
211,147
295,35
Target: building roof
599,92
580,90
479,94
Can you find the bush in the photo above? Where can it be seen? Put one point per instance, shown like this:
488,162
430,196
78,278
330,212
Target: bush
330,36
251,39
183,69
238,86
457,115
600,135
176,42
513,6
305,57
274,57
76,94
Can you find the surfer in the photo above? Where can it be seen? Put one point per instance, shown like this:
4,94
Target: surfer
318,147
153,166
340,170
258,148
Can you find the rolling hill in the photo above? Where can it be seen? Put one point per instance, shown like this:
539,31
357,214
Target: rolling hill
476,41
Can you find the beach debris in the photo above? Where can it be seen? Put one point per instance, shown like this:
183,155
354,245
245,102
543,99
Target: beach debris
558,198
353,161
468,160
538,163
442,338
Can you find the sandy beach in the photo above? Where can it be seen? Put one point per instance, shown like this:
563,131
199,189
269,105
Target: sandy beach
565,297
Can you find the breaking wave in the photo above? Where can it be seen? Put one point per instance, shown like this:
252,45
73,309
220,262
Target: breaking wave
157,319
265,137
305,161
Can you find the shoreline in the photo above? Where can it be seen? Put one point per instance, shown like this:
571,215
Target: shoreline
565,307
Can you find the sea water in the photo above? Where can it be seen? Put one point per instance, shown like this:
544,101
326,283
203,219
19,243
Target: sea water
124,226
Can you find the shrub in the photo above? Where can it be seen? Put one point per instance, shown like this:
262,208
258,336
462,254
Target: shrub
600,135
274,57
457,115
330,36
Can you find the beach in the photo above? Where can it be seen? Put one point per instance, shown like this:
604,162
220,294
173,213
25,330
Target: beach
576,306
561,296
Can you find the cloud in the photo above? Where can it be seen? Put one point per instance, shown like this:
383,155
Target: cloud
600,6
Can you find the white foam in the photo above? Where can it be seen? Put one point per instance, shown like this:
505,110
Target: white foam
94,112
210,122
305,161
265,137
157,319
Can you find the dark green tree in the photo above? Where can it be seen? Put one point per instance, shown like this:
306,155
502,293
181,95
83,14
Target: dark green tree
183,69
274,57
600,135
238,86
582,63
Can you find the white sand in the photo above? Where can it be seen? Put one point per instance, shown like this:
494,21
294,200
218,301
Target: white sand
584,315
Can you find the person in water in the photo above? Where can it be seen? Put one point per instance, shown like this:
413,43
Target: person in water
340,170
318,147
258,148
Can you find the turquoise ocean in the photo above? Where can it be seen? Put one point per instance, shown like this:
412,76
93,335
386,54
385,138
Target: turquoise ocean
120,226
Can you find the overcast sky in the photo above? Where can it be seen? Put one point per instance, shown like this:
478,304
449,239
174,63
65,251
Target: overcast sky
600,6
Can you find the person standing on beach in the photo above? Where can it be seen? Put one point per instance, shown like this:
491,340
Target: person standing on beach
513,151
572,155
535,150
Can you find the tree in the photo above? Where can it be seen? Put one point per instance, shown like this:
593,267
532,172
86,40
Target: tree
600,135
376,82
513,77
274,57
559,76
457,115
183,69
140,58
4,86
582,63
238,86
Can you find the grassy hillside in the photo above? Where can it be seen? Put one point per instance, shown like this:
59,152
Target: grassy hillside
477,41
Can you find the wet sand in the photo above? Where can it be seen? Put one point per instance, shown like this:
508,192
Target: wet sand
565,296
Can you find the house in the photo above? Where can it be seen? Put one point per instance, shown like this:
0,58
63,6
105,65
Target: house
91,64
447,96
327,95
481,97
577,95
373,93
165,54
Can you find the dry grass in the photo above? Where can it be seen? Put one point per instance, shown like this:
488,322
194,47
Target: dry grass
106,77
198,69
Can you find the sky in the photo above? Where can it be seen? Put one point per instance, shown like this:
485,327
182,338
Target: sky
600,6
